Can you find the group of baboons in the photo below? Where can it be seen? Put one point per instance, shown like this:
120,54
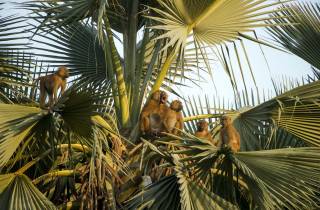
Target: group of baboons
157,118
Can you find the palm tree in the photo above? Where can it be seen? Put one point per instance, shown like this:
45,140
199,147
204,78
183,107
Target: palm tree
74,157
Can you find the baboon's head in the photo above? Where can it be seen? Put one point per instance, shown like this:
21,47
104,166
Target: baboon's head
156,95
202,125
163,97
176,105
226,120
63,72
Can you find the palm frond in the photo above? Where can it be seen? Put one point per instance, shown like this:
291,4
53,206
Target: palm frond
76,109
75,46
54,14
288,120
17,123
314,76
13,62
195,196
276,178
162,194
294,111
18,192
287,174
209,22
178,192
299,32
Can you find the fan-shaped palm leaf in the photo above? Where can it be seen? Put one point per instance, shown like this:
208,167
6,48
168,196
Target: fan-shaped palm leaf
76,109
208,22
13,71
299,32
295,112
17,123
177,192
287,174
18,192
76,47
275,178
59,13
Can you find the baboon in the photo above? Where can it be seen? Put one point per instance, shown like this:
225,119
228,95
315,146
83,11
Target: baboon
50,84
152,112
202,131
173,119
229,135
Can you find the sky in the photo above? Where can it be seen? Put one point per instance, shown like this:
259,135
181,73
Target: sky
281,65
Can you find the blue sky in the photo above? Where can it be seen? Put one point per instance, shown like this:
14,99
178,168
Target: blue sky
282,65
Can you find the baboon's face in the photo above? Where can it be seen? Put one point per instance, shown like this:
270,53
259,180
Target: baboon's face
225,121
63,72
202,125
176,105
156,95
163,97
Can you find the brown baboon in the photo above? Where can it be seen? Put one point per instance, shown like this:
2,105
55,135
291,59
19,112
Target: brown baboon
50,84
202,131
173,119
229,135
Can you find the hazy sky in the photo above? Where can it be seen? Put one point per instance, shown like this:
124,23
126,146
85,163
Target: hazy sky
282,65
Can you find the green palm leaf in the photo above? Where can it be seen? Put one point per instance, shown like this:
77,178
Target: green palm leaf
17,123
163,194
299,32
75,46
289,175
274,178
13,63
177,192
61,13
194,196
18,192
295,113
281,139
211,22
76,109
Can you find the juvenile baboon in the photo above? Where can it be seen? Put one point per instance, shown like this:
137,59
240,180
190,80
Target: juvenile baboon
50,84
173,119
152,106
229,135
202,131
157,117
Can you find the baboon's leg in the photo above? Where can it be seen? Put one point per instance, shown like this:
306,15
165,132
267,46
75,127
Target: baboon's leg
43,95
51,100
